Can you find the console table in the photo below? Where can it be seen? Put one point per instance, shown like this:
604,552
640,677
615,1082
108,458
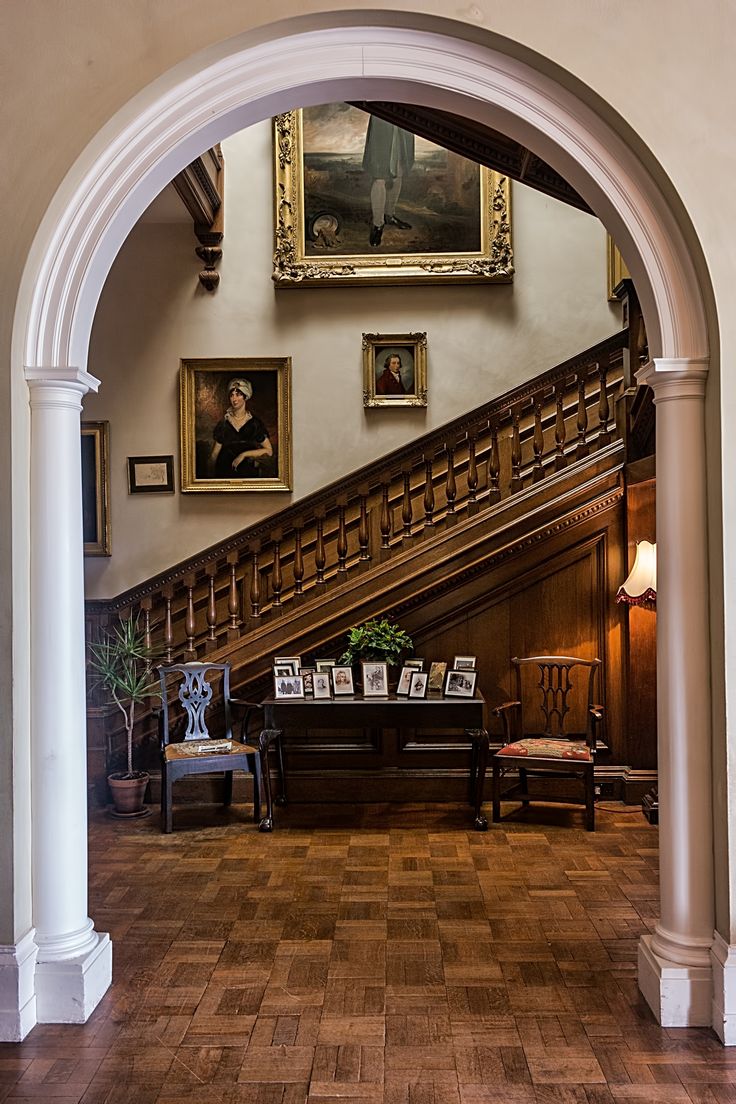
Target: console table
465,715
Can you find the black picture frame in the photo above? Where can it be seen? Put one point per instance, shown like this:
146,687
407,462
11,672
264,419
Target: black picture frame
150,475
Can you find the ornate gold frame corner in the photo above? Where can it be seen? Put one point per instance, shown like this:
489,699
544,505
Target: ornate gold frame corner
492,263
372,343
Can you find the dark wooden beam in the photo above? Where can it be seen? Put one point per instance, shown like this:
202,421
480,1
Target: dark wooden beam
478,143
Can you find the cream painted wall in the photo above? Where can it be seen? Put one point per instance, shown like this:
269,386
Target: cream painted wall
481,340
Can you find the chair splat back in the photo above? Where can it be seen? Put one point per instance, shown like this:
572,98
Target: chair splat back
557,684
195,692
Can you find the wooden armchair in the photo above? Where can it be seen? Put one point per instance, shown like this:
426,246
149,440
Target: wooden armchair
566,685
204,695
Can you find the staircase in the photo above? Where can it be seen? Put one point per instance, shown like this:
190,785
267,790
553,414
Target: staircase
461,521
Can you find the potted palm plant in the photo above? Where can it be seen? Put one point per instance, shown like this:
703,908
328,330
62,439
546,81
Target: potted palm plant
123,665
376,641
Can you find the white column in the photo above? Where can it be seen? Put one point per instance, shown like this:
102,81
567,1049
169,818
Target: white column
675,973
74,964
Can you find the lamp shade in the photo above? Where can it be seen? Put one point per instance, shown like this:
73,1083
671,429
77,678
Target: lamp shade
640,587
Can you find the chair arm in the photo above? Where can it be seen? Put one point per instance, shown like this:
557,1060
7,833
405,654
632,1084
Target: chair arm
250,707
595,715
509,713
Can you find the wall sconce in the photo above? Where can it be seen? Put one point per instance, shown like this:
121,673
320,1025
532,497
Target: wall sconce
640,588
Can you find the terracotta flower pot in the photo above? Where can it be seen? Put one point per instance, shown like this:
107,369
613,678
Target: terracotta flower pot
127,793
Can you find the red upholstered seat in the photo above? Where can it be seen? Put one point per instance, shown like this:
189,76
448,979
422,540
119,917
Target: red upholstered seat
545,748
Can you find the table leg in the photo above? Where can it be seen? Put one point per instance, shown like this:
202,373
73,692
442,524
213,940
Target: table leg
479,736
266,738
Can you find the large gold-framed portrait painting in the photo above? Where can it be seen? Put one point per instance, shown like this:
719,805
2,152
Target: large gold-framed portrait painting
360,200
235,415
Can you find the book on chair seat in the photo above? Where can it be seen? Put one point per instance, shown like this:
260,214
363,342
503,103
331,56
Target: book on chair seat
206,747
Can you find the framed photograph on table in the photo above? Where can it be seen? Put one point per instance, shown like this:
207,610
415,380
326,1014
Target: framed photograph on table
292,662
288,686
375,680
235,424
464,663
460,683
150,475
418,684
436,675
321,685
395,369
361,200
342,680
95,445
405,679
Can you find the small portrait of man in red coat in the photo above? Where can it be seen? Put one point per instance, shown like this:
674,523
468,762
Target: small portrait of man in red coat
396,379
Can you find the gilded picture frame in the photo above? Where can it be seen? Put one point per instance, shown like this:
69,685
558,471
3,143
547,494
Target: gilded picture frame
95,446
228,444
449,222
394,370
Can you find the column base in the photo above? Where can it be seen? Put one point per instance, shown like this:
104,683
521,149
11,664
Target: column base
17,994
678,995
723,957
68,990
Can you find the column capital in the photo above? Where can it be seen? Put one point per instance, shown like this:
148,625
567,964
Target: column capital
675,377
65,378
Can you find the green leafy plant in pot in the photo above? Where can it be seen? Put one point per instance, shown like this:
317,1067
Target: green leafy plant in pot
124,668
377,641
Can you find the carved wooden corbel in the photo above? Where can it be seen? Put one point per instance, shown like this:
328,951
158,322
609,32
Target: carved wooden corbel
201,188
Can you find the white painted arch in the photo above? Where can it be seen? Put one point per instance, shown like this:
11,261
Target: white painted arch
241,82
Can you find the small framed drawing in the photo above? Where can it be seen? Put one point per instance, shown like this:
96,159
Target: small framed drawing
150,475
405,679
436,676
460,683
96,488
375,680
235,424
321,684
464,663
418,684
292,662
325,664
342,680
395,369
288,686
307,674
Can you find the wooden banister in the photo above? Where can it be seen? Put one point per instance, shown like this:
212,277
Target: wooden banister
526,435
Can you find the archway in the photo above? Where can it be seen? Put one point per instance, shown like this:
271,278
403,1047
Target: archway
140,150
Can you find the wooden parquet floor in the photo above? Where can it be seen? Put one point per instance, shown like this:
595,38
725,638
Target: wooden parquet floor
386,953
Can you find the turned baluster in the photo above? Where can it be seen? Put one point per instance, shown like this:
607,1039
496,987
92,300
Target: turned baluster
604,410
320,555
581,446
516,481
298,562
537,439
472,476
494,467
277,578
342,538
364,556
233,605
146,609
406,505
428,493
168,625
386,527
560,458
450,486
255,582
190,652
211,642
